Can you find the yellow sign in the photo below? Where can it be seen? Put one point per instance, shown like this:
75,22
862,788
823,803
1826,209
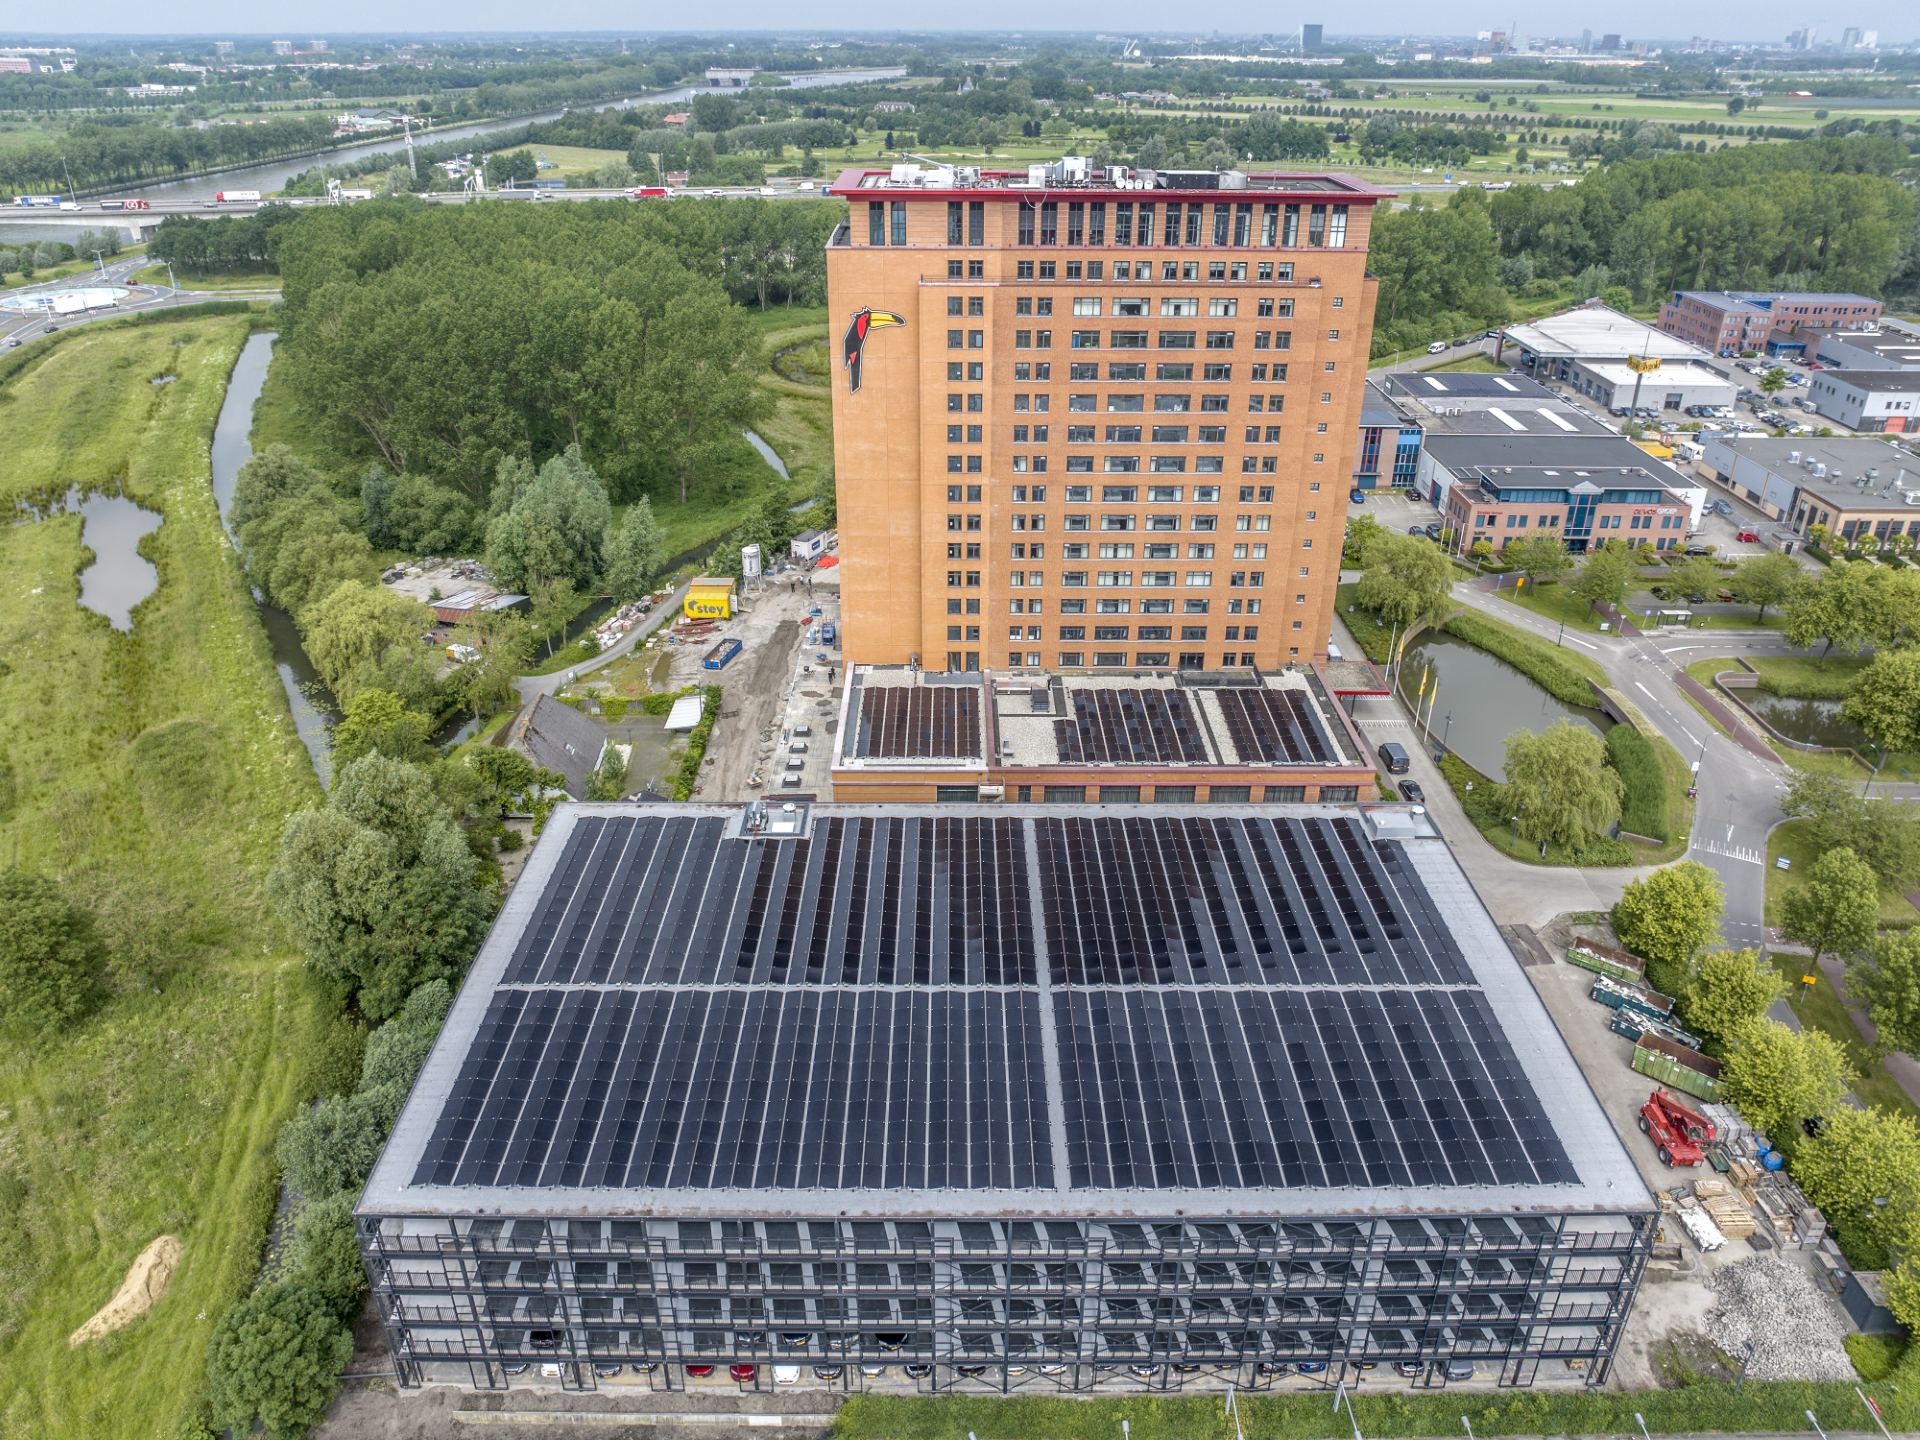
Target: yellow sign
709,604
1809,980
1643,364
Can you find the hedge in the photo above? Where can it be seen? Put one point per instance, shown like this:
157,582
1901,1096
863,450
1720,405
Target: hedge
1539,663
1644,810
662,704
689,774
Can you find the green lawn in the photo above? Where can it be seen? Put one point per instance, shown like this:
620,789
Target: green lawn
157,275
1553,604
1382,1405
1818,1007
1792,840
155,771
1803,676
1469,365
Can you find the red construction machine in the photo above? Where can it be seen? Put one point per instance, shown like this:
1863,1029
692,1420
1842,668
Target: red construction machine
1681,1134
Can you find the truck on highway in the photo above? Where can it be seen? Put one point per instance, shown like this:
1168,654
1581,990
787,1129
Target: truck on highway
231,197
125,205
648,192
46,202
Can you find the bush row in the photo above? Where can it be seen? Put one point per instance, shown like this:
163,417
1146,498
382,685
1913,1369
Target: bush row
689,774
1537,662
1644,811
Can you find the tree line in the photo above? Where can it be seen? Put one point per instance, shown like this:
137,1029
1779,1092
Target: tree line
96,155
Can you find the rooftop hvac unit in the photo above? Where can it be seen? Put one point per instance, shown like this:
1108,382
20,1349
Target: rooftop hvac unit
1793,457
1819,471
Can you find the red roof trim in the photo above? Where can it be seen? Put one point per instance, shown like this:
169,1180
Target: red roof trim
848,187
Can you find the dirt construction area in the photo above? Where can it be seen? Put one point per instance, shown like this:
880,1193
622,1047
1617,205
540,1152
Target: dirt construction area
777,668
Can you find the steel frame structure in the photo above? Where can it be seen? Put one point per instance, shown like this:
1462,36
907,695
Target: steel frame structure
1004,1305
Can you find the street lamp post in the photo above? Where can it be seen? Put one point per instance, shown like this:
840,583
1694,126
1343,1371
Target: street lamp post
1444,734
1875,772
1816,1426
1640,1420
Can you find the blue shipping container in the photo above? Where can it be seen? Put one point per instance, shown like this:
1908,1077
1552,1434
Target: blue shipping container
720,654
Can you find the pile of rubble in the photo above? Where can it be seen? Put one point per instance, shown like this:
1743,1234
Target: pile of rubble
1796,1332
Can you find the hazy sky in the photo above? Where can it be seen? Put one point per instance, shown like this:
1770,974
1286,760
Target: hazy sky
1763,20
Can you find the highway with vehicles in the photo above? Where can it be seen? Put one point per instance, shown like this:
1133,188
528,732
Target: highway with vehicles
20,327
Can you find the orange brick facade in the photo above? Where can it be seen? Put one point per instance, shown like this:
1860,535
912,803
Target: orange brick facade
1091,443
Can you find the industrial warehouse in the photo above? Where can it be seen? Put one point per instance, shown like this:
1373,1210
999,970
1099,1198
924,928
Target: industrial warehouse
1067,1095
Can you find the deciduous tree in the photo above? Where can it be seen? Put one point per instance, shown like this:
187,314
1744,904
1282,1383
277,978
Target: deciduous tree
548,525
1728,993
1560,779
1887,979
1837,909
1539,558
699,388
1669,917
1885,700
275,1354
270,476
1603,577
1767,581
1408,580
634,552
1863,1170
1777,1077
1845,608
352,627
377,720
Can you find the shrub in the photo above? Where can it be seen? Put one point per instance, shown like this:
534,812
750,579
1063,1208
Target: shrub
326,1256
510,840
689,773
331,1147
1644,810
275,1354
336,1068
49,952
662,704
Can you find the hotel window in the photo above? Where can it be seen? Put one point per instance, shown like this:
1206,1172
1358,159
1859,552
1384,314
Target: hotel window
899,222
1317,225
1172,233
976,222
953,223
1049,223
1025,235
876,222
1290,231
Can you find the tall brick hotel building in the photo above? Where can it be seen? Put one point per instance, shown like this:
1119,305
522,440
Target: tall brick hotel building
1092,419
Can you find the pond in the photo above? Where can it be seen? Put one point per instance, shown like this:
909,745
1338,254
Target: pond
1487,698
1811,722
119,577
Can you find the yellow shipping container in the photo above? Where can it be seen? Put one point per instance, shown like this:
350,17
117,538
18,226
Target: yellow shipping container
710,598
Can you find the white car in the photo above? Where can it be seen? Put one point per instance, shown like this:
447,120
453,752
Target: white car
1436,347
786,1374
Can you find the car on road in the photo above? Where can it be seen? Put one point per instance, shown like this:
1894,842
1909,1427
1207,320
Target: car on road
1436,347
1410,790
1356,495
1747,537
1393,757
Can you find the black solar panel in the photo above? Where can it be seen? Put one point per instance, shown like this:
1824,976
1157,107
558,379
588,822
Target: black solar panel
1238,999
908,722
1130,727
1275,726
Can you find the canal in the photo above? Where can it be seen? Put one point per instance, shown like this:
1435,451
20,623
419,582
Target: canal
1480,700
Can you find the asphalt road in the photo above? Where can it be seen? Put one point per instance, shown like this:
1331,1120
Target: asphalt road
18,328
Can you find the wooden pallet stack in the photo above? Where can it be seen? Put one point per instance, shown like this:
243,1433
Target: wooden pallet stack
1724,1207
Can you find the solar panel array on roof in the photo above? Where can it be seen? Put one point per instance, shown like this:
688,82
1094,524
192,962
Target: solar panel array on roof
1238,999
919,721
1276,726
1114,726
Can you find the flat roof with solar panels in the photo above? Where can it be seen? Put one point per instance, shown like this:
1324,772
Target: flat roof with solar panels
922,1042
1121,734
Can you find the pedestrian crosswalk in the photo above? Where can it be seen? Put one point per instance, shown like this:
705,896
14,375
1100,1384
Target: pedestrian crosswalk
1731,852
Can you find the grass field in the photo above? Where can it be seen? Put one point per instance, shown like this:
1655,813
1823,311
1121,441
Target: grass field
571,159
157,275
1802,676
1793,841
1818,1007
155,771
1470,365
1553,604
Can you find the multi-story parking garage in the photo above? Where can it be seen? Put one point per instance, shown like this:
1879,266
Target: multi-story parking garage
1056,1095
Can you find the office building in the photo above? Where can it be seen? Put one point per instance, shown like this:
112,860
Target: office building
1582,490
1133,388
1053,1097
1387,456
1128,735
1852,487
1454,403
1771,322
1310,36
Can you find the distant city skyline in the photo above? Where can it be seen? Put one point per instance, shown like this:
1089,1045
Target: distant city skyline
1767,22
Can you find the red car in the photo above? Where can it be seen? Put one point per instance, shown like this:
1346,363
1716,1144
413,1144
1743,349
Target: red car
1748,537
743,1373
699,1371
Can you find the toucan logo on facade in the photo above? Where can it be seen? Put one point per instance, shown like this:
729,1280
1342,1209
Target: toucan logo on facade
864,320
